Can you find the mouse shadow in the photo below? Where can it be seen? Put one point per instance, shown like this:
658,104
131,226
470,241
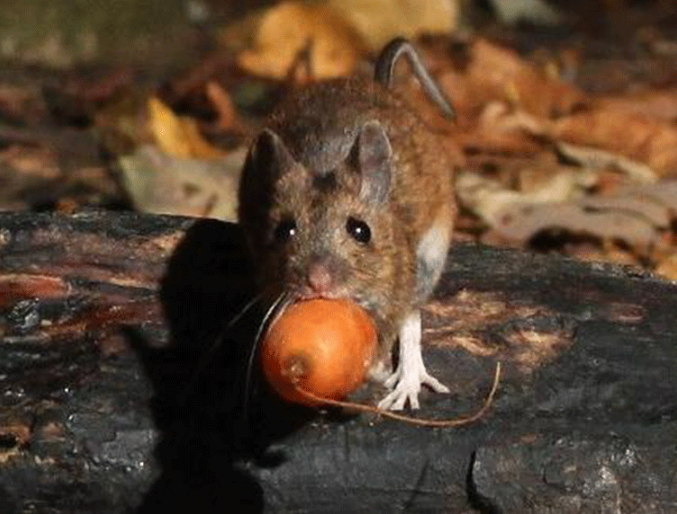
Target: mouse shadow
208,428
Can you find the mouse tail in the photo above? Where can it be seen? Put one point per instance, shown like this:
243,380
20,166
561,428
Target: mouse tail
385,66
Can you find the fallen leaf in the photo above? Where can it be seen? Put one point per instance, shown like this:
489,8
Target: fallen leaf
178,136
39,162
497,116
497,142
638,215
659,104
223,105
650,141
522,222
163,184
25,103
499,130
379,21
649,209
664,192
513,12
289,27
25,170
490,200
668,267
99,87
595,158
497,73
607,252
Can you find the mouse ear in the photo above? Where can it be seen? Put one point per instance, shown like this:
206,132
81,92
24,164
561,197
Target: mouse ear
267,160
269,153
374,161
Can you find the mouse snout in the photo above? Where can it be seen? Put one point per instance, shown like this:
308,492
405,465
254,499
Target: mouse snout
319,277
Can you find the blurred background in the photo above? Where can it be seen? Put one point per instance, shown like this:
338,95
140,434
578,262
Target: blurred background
565,125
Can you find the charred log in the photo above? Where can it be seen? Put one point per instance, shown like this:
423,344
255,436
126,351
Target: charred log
123,384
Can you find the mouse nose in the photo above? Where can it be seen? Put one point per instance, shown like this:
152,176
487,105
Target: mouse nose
319,277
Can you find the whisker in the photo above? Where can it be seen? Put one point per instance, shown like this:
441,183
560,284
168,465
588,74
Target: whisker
244,310
277,307
205,357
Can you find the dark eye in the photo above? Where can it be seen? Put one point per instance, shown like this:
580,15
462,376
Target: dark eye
358,230
285,230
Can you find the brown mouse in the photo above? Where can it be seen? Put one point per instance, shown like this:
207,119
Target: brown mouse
347,193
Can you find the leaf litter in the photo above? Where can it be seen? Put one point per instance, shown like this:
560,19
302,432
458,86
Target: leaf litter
556,139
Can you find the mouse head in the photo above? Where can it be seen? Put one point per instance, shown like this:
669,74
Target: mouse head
325,232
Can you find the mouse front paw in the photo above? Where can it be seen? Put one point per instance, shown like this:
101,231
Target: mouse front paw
406,382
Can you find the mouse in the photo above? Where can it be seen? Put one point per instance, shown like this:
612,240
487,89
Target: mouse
347,193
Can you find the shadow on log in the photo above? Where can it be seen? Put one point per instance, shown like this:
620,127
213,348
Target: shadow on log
122,384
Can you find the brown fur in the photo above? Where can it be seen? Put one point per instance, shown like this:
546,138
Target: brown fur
318,126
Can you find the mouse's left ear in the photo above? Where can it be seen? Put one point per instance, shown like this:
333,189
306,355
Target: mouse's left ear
374,155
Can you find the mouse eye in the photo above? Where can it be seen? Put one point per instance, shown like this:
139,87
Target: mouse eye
358,230
285,230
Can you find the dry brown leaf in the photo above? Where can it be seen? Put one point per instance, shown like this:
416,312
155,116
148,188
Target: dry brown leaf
498,142
548,179
504,140
595,158
467,102
663,192
223,105
489,199
523,222
289,27
497,130
178,136
39,162
638,215
497,73
163,184
607,252
668,267
497,116
660,104
647,208
22,102
26,168
638,137
381,20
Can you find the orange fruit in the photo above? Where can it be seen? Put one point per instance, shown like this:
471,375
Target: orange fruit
323,346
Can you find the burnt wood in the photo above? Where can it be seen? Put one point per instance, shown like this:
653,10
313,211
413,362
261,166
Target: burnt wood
122,384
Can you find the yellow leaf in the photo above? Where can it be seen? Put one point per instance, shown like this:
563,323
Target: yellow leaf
379,21
199,146
178,136
288,28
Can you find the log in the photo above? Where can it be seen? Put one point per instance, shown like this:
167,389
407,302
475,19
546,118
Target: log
122,381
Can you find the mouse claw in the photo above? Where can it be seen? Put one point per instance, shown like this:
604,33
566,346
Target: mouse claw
393,379
396,399
408,387
425,378
434,384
